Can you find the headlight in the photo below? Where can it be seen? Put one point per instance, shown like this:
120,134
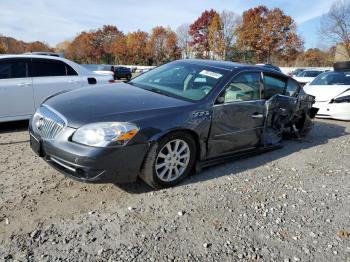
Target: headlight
105,133
342,99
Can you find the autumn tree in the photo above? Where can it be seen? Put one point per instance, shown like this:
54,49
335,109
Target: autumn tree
136,43
184,39
199,32
314,57
104,42
216,38
270,33
62,47
162,45
335,25
38,46
12,46
81,49
230,21
2,49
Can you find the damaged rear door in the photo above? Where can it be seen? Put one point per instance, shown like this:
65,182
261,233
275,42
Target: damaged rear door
281,108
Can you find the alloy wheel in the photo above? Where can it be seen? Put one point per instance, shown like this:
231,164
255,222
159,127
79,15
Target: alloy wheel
172,160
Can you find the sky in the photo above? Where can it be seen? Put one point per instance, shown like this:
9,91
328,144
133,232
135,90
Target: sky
54,21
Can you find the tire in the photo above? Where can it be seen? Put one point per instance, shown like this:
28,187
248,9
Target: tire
151,171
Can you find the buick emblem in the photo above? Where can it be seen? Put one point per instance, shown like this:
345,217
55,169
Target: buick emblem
40,123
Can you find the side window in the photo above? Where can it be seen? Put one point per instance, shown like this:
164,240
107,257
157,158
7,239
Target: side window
13,69
5,70
273,86
42,68
292,88
244,88
70,71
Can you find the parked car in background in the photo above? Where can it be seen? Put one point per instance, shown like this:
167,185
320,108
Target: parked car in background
164,123
122,72
306,76
27,80
100,69
296,72
273,67
332,92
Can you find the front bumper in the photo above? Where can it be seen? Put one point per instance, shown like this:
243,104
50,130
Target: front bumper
90,164
340,111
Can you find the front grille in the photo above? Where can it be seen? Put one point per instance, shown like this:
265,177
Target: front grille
46,123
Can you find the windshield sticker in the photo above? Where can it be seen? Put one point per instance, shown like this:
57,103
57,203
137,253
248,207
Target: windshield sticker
210,74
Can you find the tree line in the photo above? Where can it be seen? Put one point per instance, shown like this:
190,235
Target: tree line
259,35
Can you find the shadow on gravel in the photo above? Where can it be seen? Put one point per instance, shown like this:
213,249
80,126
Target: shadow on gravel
321,133
17,126
138,187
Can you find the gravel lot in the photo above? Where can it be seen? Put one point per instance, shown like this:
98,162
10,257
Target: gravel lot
291,204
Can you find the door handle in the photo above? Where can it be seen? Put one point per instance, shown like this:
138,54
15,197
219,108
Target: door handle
256,115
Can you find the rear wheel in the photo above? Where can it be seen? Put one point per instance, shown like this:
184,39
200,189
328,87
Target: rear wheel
170,161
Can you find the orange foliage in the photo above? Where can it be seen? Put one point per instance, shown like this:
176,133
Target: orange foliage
270,33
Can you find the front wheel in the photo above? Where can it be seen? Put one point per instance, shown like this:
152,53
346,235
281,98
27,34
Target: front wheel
170,161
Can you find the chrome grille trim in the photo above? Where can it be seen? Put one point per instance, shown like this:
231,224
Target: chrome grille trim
47,122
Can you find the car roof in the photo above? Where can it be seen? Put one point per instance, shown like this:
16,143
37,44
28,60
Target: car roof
33,56
230,66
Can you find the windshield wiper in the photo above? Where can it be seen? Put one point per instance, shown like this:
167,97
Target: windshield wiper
158,91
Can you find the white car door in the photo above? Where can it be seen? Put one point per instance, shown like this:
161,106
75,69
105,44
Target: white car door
52,76
16,90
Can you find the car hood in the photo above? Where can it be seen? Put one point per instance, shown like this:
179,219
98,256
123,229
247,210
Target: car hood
113,102
325,92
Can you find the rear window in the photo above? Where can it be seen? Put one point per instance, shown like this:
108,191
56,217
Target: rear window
13,69
332,78
44,68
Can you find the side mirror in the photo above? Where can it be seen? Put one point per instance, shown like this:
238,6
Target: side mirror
220,100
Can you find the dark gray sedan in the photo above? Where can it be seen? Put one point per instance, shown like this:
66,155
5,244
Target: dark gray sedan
168,122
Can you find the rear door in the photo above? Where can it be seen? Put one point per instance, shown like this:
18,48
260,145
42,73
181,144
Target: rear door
238,116
281,103
52,76
16,90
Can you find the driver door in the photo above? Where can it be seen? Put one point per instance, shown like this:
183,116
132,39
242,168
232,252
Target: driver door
238,116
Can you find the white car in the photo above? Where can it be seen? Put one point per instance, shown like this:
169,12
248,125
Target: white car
307,76
332,92
27,80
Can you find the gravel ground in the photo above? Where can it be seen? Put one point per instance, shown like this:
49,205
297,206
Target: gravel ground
291,204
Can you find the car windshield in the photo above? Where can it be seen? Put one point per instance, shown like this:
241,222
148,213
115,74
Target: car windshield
309,73
181,79
332,78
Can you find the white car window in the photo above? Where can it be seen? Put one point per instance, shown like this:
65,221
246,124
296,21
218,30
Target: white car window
13,69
